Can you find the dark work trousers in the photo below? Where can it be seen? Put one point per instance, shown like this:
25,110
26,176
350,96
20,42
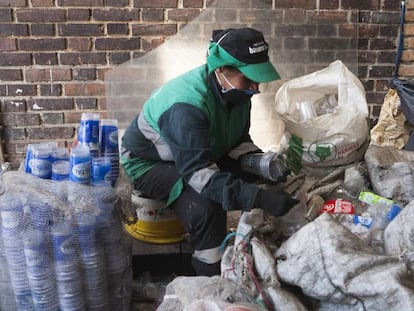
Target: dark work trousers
204,220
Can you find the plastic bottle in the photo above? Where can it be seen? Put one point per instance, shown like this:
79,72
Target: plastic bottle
80,164
88,132
270,165
382,215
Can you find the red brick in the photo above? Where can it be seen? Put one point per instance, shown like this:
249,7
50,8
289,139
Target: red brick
12,133
370,5
79,44
117,43
85,103
11,3
84,74
52,118
117,3
48,74
51,133
42,44
45,58
184,15
328,4
10,74
13,105
72,117
21,119
18,3
115,14
386,57
14,29
102,104
328,17
15,59
193,3
152,43
81,58
102,72
119,57
75,14
117,29
302,4
5,15
155,3
39,29
43,3
368,30
21,90
348,30
392,5
81,29
382,44
51,89
261,16
406,71
389,31
85,89
45,104
41,15
385,18
154,30
367,57
229,4
381,71
152,15
88,3
7,44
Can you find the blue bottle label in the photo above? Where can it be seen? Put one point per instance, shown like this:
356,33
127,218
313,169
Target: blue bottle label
89,131
81,172
41,167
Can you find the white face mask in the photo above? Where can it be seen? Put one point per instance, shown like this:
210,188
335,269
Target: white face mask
224,91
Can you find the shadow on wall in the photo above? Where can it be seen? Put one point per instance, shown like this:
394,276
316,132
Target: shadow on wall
301,41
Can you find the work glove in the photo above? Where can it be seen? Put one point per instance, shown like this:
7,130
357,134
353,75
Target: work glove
274,201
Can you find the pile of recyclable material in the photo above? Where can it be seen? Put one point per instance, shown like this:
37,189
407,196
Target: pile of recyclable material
62,247
93,160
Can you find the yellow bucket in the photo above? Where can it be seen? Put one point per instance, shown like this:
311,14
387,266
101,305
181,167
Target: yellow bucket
155,223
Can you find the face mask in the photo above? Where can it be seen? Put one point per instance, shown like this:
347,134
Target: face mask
234,95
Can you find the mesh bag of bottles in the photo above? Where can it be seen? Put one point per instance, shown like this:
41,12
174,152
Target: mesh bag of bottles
62,247
325,116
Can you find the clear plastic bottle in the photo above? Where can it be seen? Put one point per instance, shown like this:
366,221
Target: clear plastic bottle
382,215
269,165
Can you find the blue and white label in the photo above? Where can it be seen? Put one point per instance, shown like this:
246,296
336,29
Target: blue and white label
41,168
113,138
81,172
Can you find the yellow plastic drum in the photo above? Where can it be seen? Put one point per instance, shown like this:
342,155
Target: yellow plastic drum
155,223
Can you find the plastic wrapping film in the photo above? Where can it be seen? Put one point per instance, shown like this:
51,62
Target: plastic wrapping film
62,247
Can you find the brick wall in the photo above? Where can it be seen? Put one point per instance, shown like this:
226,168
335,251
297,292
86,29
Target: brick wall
55,53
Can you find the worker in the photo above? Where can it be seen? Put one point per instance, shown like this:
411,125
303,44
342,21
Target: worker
186,145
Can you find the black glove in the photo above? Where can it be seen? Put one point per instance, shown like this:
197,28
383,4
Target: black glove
274,201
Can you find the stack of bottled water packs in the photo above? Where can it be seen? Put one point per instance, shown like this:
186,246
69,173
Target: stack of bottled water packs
63,247
93,160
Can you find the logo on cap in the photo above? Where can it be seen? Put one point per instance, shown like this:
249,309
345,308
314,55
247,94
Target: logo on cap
258,48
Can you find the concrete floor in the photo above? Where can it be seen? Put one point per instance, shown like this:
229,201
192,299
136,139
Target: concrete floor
152,258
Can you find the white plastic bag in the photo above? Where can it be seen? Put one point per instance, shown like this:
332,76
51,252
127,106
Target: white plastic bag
325,115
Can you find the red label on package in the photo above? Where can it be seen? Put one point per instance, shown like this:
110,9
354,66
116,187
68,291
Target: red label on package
341,206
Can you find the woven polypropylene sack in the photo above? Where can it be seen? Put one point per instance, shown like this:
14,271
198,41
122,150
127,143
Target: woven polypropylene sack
332,264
